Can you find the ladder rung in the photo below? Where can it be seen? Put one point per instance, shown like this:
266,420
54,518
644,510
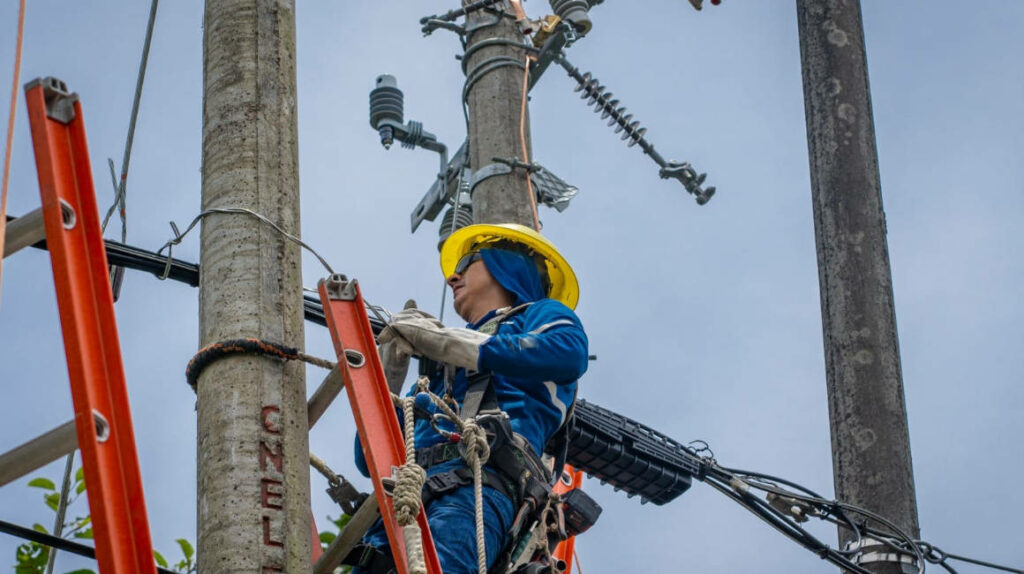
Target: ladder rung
38,452
324,396
30,229
349,537
24,231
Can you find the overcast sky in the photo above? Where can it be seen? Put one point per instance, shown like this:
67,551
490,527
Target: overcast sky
705,320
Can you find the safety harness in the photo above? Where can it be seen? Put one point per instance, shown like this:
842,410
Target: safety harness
513,467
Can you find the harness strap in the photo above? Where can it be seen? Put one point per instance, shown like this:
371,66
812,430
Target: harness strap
434,455
444,483
370,558
480,396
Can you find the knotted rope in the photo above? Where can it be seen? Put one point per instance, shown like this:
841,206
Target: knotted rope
476,452
409,491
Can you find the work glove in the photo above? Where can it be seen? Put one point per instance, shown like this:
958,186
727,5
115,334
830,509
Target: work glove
418,333
394,360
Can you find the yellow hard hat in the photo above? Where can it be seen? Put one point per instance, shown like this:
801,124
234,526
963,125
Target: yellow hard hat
562,280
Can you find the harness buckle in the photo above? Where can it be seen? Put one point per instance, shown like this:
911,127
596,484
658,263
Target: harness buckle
442,483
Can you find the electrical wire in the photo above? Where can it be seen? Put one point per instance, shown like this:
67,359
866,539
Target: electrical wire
55,542
178,237
522,141
455,216
739,485
62,507
120,191
12,116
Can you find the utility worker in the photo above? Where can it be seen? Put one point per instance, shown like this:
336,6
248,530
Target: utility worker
523,341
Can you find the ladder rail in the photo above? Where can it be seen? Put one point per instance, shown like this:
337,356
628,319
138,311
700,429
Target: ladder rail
379,432
92,347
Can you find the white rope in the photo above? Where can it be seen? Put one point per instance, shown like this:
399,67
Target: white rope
475,454
408,493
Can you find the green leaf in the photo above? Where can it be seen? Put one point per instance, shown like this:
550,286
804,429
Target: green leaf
341,521
186,548
160,559
44,483
327,537
40,528
82,571
87,534
80,488
52,500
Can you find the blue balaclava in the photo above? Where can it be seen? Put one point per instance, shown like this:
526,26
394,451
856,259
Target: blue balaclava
516,272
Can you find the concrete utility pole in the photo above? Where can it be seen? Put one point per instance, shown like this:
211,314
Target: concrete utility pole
870,442
499,123
253,452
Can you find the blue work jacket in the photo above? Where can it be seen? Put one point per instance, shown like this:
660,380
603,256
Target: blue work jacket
536,355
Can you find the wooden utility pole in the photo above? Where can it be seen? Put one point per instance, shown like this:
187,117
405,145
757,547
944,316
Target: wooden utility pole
499,127
870,441
253,453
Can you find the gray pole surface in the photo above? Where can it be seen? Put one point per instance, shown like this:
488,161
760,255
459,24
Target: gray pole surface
870,441
253,452
498,120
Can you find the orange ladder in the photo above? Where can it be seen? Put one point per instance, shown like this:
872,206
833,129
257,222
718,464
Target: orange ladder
102,415
366,385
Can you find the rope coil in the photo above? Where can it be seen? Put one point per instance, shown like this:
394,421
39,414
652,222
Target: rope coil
214,351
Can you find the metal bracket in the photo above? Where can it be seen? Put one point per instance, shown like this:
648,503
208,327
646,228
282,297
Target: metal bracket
60,104
340,288
551,50
552,190
487,171
873,551
440,191
690,179
346,495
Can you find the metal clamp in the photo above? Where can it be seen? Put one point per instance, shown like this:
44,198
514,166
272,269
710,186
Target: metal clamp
487,171
346,495
873,551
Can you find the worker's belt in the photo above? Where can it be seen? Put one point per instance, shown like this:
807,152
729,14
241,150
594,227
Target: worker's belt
434,455
443,483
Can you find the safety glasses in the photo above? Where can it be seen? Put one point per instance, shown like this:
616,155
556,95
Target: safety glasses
467,260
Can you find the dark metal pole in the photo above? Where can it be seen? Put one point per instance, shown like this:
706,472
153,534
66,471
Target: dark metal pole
870,441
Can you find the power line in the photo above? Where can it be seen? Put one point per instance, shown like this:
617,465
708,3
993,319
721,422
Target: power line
55,542
138,259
